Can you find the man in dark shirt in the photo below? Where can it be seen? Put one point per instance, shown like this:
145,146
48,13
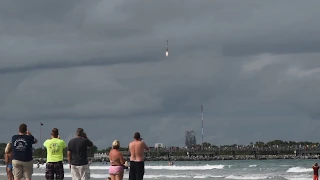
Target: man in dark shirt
22,160
315,168
78,155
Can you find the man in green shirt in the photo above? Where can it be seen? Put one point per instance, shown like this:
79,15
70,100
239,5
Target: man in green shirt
54,165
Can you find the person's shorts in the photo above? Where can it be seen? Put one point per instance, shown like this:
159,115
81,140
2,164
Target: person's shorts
22,169
80,172
54,170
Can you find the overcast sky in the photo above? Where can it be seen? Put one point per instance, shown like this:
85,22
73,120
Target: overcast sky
101,65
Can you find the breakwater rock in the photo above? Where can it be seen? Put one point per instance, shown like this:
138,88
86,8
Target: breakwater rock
222,157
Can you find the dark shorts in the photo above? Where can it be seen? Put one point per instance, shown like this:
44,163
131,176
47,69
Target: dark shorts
54,170
136,170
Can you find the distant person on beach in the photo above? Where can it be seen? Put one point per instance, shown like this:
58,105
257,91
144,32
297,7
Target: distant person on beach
117,162
315,168
136,148
54,165
78,155
8,160
22,160
126,164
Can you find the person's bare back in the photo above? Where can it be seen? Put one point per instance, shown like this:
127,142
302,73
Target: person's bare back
137,148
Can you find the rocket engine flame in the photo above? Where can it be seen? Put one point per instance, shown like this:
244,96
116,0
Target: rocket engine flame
167,50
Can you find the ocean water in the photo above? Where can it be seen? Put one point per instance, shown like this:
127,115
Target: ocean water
221,170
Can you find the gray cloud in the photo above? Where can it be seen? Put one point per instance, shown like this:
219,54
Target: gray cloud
101,65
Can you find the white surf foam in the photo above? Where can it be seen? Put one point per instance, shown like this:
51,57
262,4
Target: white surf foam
206,176
253,165
205,167
298,178
299,169
246,177
174,167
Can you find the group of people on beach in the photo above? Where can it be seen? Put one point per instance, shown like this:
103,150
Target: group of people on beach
19,160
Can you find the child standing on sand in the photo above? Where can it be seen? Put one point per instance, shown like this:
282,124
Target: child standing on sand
8,161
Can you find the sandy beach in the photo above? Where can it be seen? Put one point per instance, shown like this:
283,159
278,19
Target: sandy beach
42,178
34,178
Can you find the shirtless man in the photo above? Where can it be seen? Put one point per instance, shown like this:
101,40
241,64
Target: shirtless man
136,148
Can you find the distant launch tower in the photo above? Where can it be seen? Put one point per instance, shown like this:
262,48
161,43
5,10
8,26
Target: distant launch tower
202,122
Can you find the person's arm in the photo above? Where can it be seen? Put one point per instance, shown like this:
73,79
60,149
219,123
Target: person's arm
69,159
89,143
145,146
34,140
69,154
45,143
64,145
6,159
122,161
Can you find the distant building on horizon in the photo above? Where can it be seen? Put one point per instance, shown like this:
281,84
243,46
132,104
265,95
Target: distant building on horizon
158,145
190,139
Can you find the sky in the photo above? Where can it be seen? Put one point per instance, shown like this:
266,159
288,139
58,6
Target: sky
101,65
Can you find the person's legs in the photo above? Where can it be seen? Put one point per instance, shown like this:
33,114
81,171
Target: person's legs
84,172
27,170
59,170
132,171
139,170
119,175
18,169
49,174
75,172
113,177
9,172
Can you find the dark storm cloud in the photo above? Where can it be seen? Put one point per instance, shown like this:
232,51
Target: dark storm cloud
101,65
90,62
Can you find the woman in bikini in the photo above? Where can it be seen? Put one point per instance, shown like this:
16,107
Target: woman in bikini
8,161
117,162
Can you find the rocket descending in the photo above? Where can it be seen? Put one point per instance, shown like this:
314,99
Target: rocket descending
167,50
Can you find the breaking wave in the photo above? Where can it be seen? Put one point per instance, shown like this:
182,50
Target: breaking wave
299,169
